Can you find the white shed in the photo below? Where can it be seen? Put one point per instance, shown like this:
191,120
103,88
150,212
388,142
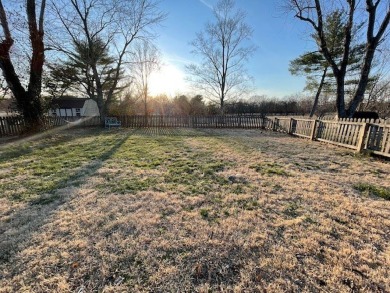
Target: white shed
74,107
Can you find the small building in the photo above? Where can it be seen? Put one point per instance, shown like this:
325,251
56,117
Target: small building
73,107
8,107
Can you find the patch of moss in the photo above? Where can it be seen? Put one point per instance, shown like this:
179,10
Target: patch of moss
372,190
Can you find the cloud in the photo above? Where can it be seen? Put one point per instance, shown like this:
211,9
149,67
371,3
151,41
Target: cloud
204,2
177,59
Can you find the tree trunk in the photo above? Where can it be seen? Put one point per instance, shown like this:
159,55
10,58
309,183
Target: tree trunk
99,93
34,113
340,93
28,103
364,78
317,97
9,73
222,104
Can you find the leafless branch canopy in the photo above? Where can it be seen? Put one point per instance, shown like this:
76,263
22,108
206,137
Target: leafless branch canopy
117,23
376,21
223,49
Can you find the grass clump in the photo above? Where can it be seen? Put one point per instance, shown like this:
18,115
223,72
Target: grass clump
372,190
130,185
45,199
269,169
292,210
204,213
248,204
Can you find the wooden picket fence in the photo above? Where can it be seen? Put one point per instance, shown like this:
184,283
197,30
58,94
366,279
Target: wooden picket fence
378,139
354,134
15,125
359,136
11,125
215,121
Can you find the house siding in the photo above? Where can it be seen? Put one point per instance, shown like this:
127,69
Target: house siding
89,109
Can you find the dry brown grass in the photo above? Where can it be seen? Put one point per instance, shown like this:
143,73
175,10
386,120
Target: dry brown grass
193,211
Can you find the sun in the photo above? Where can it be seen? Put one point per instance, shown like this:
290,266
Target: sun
169,80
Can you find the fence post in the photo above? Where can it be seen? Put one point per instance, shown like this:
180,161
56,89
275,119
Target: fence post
313,130
290,127
274,126
362,136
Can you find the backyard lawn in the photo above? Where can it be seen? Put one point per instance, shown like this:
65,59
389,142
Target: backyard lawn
185,210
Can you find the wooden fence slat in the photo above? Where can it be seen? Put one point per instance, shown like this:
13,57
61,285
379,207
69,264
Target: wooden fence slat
385,140
361,134
366,134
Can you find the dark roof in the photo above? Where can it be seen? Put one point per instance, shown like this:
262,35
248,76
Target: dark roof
68,102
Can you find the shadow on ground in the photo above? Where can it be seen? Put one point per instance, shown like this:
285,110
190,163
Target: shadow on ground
20,224
155,131
24,145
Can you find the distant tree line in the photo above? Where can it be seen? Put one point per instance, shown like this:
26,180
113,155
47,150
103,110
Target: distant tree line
197,105
297,104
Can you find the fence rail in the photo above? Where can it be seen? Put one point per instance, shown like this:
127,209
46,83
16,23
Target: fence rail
378,139
346,134
15,125
226,121
358,136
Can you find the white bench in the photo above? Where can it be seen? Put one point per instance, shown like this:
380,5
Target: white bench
111,122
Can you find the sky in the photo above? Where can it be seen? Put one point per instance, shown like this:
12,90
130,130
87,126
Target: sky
278,36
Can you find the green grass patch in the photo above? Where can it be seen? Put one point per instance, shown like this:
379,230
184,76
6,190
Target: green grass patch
37,168
130,185
269,169
372,190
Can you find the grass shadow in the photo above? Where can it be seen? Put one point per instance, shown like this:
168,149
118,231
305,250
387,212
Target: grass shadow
159,131
51,138
19,225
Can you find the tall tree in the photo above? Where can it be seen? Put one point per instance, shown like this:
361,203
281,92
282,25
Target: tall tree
117,23
222,51
317,69
75,73
146,59
314,12
312,65
28,98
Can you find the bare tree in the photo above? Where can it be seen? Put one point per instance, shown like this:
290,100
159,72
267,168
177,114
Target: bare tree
378,99
146,60
314,12
117,23
221,48
28,98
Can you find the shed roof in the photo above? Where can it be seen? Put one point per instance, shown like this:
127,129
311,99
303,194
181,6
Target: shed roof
68,102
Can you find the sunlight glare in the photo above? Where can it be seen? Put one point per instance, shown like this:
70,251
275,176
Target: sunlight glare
168,80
